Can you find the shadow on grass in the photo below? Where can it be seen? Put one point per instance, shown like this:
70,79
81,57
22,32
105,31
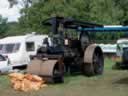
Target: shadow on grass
122,81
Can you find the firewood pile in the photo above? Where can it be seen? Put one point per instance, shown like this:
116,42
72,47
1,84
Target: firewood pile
26,82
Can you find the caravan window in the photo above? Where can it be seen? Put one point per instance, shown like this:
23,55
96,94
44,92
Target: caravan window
30,46
9,48
2,58
1,45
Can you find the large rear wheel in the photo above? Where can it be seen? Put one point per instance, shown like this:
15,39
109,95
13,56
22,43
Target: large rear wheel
93,61
98,63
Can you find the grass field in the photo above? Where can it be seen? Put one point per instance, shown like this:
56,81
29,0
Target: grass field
111,83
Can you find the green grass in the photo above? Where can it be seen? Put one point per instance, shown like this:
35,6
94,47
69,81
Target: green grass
111,83
108,63
4,82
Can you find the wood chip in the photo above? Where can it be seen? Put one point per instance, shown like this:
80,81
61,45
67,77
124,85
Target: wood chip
26,82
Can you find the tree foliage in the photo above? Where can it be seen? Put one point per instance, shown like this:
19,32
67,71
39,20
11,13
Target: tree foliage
23,3
98,11
3,26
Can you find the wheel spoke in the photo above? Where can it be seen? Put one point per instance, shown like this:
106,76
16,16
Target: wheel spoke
98,64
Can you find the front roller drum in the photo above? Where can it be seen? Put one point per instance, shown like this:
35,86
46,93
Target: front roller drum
50,70
93,61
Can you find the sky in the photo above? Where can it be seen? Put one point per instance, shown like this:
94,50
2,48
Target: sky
11,13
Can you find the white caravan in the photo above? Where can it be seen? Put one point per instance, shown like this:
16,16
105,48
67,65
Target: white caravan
18,49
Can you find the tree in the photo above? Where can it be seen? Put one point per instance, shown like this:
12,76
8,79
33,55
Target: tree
46,8
14,29
98,11
23,3
123,6
3,26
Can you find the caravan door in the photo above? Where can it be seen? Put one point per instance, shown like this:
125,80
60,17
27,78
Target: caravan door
4,64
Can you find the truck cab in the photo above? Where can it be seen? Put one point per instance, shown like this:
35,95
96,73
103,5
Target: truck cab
122,53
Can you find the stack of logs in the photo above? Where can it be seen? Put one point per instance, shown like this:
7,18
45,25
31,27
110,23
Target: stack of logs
26,82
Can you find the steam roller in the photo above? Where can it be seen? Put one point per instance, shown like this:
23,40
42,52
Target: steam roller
67,53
